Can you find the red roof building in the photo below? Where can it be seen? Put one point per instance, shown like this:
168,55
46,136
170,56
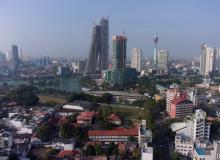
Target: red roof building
180,107
113,118
116,135
85,118
68,154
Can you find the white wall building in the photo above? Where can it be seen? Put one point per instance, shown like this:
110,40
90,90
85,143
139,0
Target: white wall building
207,60
184,145
196,130
136,59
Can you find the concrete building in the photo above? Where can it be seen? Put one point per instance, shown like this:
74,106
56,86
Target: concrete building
145,134
147,153
180,107
116,135
184,145
172,93
136,59
119,52
162,62
197,130
207,60
205,150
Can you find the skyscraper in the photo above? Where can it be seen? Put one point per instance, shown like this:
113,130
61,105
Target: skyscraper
98,53
104,43
162,62
207,60
155,48
15,57
119,52
136,59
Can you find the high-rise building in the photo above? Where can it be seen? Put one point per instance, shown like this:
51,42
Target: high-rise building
98,53
15,56
104,43
172,93
207,60
2,58
180,108
119,52
162,62
217,56
136,59
195,130
155,49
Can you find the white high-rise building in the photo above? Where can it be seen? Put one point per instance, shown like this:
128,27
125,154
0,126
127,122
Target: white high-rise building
207,60
162,61
136,59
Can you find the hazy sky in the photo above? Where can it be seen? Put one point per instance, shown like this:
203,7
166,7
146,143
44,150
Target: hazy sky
63,27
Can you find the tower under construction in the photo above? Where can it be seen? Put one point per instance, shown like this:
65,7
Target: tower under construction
99,49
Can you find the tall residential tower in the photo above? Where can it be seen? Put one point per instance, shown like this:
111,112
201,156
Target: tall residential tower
207,60
136,59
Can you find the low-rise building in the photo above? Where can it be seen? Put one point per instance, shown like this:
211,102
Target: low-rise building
184,145
115,119
85,118
116,135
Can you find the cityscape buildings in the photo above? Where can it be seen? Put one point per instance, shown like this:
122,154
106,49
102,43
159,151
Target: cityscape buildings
162,62
136,59
207,60
98,52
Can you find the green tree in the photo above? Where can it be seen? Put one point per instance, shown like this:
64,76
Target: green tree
90,150
132,139
67,130
99,150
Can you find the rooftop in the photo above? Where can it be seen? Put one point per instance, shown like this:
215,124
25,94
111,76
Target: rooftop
115,132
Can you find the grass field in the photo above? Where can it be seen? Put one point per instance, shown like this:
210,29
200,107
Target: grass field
49,99
128,112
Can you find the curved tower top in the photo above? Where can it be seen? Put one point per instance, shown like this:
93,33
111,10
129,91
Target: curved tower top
156,38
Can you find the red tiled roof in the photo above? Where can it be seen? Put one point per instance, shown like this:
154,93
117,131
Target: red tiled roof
116,132
64,153
178,100
114,117
121,147
85,115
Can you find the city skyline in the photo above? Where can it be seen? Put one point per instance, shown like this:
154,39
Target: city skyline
49,28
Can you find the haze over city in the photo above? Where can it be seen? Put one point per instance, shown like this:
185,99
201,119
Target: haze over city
63,28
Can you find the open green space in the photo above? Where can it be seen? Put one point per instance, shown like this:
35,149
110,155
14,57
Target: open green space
51,99
128,112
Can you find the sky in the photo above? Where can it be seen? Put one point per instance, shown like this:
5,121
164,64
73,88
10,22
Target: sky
62,28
